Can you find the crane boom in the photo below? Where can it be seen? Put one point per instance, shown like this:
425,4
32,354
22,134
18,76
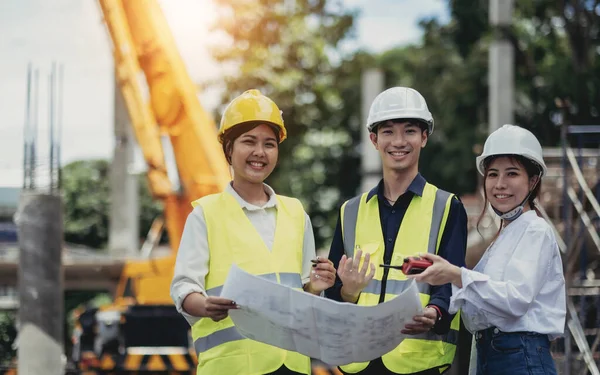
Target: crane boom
144,46
163,106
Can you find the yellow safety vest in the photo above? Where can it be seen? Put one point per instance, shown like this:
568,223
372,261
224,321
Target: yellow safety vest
421,231
220,347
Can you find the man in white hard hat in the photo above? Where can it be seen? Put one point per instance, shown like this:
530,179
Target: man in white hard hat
400,217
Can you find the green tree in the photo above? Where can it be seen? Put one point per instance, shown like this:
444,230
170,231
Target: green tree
86,190
290,51
556,56
557,47
8,333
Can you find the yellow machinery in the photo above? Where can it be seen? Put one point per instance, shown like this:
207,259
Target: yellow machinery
144,47
142,331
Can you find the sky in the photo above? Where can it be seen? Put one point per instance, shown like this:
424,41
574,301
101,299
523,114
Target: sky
71,33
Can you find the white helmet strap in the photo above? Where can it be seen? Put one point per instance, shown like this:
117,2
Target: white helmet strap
514,213
517,211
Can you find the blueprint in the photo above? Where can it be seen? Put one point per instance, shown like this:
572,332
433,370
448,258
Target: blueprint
333,332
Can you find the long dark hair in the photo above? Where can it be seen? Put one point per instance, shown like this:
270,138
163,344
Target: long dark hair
531,168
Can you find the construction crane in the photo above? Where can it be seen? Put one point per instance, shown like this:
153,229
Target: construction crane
141,330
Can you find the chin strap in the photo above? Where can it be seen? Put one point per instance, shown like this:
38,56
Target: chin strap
517,211
512,214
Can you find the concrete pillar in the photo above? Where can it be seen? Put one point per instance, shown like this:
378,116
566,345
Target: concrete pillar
501,67
123,237
41,317
371,86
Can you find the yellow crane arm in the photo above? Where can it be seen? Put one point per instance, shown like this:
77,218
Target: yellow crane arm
142,118
147,62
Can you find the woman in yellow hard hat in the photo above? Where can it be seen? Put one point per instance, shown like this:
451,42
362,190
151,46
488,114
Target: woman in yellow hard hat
247,224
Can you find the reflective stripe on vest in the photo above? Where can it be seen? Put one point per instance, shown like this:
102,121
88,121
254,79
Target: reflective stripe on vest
202,344
215,339
351,217
419,352
293,280
232,238
394,287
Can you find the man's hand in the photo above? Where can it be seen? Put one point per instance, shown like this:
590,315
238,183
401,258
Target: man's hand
422,323
354,280
322,276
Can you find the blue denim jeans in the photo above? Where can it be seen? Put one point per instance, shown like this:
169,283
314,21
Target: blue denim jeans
513,353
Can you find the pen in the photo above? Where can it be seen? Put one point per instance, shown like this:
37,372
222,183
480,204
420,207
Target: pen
320,259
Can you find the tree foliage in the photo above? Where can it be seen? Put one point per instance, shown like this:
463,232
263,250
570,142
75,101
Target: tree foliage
557,47
8,333
86,197
556,56
289,50
86,190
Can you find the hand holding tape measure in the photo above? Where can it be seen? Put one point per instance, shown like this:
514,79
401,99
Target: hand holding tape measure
431,269
411,265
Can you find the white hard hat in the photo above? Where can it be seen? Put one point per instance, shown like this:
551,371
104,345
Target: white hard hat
512,140
399,103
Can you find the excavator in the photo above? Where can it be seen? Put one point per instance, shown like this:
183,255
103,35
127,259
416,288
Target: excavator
141,331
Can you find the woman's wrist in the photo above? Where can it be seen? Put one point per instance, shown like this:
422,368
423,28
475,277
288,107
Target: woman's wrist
194,304
308,288
457,276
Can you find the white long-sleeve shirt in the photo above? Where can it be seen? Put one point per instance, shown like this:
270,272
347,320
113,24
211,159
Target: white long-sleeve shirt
518,285
191,266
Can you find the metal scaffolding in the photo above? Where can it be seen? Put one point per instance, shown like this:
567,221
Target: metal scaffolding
577,233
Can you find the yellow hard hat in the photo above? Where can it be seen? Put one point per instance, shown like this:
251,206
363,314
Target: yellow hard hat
252,106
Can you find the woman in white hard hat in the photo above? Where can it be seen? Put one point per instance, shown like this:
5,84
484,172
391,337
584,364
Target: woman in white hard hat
248,224
513,301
